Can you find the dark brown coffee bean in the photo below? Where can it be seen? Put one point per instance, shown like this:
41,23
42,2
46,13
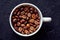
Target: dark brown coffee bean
25,22
15,12
37,15
18,19
24,17
22,13
15,25
31,20
13,17
20,29
21,8
31,24
25,27
22,25
37,27
31,11
34,25
18,23
22,32
35,10
25,9
14,20
32,8
29,14
22,20
18,13
16,16
33,16
27,18
26,13
26,32
32,28
36,22
16,28
30,31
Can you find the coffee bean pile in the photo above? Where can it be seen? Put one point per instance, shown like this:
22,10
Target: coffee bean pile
25,19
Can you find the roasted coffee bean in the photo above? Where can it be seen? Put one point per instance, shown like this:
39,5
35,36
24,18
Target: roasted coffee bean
22,13
22,20
32,8
26,32
31,24
30,31
36,22
14,20
20,29
22,32
21,8
18,23
15,12
18,13
37,27
25,9
16,16
29,14
22,25
33,16
31,20
15,25
35,10
27,25
24,17
27,18
32,28
16,28
31,11
13,17
26,13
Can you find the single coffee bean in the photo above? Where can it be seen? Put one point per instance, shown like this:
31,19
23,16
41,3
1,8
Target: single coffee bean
20,29
18,23
25,9
22,25
24,17
29,14
30,31
31,20
28,25
26,32
21,8
36,22
14,20
16,28
15,12
31,8
33,16
32,28
15,25
22,13
22,20
18,13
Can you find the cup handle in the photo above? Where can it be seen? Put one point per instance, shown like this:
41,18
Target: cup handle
47,19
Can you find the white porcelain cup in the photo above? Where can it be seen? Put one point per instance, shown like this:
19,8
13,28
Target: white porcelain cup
42,19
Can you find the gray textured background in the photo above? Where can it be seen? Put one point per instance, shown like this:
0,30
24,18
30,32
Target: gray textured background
49,31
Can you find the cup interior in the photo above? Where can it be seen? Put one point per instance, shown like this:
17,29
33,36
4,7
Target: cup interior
40,14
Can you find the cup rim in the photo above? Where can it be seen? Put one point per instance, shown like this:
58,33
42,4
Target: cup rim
40,14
